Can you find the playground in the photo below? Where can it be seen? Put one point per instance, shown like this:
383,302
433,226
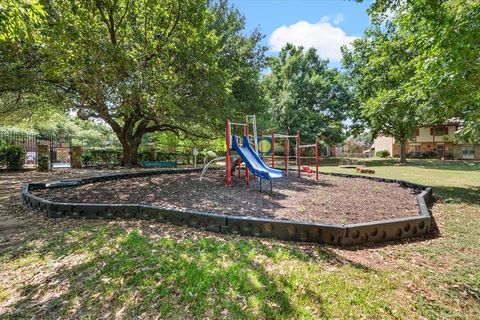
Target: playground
232,159
299,199
305,204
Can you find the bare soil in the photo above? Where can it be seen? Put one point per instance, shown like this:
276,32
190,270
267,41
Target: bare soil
329,200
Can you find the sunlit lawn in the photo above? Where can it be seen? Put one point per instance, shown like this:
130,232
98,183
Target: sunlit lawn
90,269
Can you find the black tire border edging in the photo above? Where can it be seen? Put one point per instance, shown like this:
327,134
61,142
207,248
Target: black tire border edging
336,234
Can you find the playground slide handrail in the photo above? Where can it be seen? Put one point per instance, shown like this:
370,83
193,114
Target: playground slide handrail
205,168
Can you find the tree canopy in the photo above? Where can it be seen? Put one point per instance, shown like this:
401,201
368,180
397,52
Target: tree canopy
379,70
149,66
441,38
304,94
19,19
417,63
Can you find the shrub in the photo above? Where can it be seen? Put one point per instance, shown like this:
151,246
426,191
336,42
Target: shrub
12,156
43,162
166,156
449,156
2,153
412,155
87,159
429,155
101,157
146,155
383,154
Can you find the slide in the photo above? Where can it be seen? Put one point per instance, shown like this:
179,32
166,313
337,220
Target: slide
256,165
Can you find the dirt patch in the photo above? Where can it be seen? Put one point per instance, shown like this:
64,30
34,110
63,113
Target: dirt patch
329,200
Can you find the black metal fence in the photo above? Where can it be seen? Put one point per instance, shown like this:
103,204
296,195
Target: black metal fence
94,152
59,147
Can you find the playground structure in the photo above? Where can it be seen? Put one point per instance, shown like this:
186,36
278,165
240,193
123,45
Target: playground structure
254,164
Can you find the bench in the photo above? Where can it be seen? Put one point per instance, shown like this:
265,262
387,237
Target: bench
159,164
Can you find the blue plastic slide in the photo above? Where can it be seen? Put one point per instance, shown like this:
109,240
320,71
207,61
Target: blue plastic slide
253,162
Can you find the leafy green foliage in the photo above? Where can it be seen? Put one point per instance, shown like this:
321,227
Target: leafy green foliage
383,154
12,156
101,157
86,159
379,69
18,19
442,40
306,95
20,40
139,66
43,162
88,134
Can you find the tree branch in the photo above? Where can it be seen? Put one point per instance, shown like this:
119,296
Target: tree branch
109,22
161,38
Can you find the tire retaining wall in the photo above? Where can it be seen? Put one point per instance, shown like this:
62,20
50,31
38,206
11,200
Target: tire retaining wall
337,234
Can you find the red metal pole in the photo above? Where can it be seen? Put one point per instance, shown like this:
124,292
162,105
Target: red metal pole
227,157
239,141
247,175
286,155
298,152
273,148
239,166
316,158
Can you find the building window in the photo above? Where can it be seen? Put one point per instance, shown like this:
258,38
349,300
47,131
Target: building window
439,131
468,152
414,150
417,132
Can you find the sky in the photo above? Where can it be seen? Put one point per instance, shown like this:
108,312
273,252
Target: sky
323,24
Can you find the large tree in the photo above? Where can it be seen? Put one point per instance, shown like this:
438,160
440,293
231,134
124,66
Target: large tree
149,65
442,38
379,69
306,95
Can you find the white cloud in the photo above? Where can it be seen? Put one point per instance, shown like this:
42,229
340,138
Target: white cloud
323,36
338,19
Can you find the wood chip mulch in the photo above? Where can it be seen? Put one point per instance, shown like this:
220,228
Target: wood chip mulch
329,200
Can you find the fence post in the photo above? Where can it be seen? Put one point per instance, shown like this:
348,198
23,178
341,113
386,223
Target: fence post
43,158
76,160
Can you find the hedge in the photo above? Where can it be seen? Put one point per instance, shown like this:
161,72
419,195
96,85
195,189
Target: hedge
12,156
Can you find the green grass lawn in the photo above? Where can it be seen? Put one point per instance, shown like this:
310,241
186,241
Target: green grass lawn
88,269
453,181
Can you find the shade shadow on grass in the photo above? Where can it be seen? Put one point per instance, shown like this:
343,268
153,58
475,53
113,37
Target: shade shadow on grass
469,195
127,274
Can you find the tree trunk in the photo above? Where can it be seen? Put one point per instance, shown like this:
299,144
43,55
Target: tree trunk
403,151
130,151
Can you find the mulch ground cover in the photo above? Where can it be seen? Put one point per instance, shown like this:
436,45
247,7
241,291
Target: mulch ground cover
329,200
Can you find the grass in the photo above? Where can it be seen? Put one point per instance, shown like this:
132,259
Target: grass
121,270
98,269
453,181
